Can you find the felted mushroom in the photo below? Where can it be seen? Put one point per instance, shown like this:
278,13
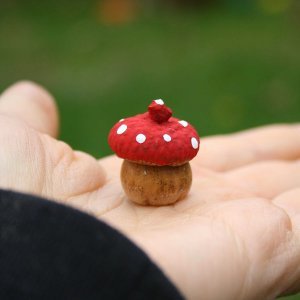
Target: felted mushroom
156,149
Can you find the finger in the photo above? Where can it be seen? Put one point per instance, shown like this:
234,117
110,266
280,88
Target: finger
104,188
112,165
267,179
32,104
290,203
70,173
275,142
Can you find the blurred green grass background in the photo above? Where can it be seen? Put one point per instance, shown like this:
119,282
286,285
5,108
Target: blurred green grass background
221,69
224,69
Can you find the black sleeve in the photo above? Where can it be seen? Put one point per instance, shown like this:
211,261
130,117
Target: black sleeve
50,251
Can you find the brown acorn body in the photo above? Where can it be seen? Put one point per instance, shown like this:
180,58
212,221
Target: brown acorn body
155,185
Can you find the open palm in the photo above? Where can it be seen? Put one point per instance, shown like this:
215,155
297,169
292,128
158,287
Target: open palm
236,235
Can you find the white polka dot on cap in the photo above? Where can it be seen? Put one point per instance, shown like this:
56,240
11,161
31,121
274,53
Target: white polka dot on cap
122,129
183,123
140,138
195,143
167,138
159,101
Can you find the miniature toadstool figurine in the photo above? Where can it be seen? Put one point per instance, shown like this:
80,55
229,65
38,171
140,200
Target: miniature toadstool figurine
156,149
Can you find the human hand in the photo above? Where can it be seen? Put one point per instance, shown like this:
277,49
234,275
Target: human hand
236,235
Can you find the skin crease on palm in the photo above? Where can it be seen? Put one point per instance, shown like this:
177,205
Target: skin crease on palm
236,235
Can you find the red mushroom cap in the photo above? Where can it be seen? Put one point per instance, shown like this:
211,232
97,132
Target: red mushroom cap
154,138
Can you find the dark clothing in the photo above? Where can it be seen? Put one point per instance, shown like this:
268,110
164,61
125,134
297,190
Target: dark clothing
51,251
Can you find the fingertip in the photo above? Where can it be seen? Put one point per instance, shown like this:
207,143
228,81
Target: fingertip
33,104
111,164
24,86
289,201
30,89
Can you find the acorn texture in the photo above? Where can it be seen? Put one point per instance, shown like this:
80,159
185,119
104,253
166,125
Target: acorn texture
155,185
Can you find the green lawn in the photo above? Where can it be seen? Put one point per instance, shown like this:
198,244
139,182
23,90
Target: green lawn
221,70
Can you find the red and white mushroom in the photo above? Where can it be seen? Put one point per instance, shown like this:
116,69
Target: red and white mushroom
157,149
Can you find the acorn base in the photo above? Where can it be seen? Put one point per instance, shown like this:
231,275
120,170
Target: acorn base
155,185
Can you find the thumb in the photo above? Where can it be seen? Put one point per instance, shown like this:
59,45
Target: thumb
32,104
